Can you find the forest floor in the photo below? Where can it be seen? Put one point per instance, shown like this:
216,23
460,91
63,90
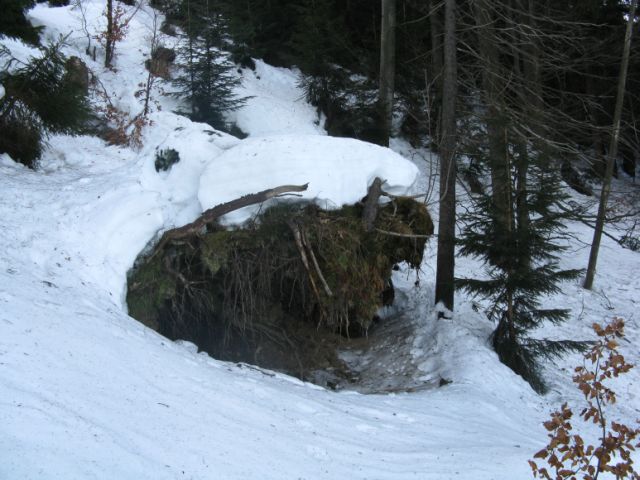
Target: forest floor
88,392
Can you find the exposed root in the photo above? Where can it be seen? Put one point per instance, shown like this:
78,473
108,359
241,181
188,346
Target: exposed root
283,292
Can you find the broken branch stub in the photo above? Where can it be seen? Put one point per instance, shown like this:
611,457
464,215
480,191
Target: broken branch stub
371,204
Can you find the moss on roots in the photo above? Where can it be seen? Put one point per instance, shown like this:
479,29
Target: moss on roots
284,291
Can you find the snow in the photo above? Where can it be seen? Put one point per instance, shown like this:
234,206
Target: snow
338,171
274,93
88,392
20,51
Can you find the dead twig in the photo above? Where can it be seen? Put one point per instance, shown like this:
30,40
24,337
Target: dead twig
297,236
327,290
402,235
402,197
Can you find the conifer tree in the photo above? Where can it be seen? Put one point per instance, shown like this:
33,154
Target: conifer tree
40,98
521,262
13,22
206,81
263,29
517,224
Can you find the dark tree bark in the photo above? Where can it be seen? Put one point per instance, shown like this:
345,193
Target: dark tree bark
447,219
492,82
435,78
613,150
387,67
531,80
109,41
599,162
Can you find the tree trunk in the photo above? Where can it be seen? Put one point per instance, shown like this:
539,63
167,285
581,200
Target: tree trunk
435,79
387,67
613,150
447,218
492,81
109,42
533,109
599,164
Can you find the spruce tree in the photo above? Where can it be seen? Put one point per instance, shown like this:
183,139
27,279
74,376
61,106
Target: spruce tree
206,80
13,22
521,259
41,98
263,29
517,135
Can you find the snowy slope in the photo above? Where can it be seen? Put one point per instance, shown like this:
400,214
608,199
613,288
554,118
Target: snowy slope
88,392
274,94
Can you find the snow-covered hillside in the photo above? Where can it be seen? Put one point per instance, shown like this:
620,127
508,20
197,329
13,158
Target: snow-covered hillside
88,392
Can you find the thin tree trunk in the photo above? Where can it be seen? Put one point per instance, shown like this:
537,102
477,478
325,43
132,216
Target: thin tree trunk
387,67
531,80
599,163
435,79
447,217
492,80
499,158
613,150
109,42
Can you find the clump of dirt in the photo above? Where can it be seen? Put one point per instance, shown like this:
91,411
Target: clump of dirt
287,291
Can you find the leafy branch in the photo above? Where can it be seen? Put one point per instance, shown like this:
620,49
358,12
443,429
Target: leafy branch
567,455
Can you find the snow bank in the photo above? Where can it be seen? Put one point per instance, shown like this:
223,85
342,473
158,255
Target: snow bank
338,171
274,95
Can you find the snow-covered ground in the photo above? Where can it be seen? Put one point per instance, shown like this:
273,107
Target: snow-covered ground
88,392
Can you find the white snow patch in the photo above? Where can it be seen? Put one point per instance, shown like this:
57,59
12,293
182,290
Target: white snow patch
20,52
275,96
338,171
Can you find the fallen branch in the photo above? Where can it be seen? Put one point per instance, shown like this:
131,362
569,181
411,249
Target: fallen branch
211,215
403,235
402,197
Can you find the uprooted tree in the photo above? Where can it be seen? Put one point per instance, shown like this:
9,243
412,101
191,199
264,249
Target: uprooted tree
284,291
